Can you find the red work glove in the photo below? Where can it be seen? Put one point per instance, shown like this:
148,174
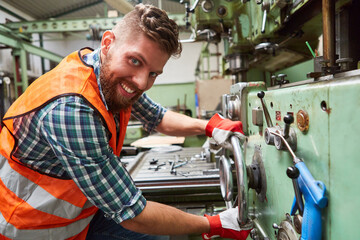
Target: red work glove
225,225
220,129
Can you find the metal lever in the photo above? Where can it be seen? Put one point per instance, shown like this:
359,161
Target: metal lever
269,138
261,95
293,173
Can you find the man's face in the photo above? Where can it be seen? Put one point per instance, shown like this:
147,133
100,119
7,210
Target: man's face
129,67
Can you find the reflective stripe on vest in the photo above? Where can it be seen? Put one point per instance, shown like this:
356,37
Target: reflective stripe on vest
58,233
39,198
34,205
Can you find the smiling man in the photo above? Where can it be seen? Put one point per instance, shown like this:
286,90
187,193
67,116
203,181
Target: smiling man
60,171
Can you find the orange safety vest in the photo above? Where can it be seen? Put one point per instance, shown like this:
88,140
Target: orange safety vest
35,205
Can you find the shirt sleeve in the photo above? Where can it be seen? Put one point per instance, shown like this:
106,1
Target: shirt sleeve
79,140
148,112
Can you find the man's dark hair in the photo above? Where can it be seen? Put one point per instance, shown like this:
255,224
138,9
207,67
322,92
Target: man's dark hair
155,24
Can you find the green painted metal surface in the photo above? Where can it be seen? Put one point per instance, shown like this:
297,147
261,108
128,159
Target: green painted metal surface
344,133
328,148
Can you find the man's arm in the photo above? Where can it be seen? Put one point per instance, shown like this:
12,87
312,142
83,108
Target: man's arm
160,219
176,124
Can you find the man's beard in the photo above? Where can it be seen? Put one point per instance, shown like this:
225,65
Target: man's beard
115,101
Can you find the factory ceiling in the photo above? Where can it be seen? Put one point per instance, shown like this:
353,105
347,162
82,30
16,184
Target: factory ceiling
70,9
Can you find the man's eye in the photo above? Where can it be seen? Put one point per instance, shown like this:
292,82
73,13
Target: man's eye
135,61
153,74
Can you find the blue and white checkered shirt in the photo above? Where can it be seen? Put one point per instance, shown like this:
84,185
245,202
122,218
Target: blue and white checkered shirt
68,139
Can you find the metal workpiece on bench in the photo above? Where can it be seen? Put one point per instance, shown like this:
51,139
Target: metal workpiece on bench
195,177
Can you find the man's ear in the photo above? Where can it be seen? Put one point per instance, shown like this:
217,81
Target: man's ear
107,39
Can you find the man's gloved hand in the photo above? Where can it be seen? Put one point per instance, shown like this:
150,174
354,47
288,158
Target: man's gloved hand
225,225
220,129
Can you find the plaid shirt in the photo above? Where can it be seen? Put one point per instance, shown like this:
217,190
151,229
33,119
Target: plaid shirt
68,139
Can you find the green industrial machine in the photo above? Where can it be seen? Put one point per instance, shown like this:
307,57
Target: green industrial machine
295,169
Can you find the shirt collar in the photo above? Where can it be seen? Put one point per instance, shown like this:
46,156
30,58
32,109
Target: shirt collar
93,59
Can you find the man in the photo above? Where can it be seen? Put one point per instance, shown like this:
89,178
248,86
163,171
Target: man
61,177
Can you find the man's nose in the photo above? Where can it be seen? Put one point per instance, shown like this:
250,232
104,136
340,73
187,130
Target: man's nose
141,80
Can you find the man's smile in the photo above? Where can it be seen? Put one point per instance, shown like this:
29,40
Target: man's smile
127,89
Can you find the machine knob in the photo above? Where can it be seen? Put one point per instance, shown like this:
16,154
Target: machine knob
288,119
282,77
292,172
261,94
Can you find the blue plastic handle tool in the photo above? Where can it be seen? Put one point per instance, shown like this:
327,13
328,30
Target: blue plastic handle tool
315,199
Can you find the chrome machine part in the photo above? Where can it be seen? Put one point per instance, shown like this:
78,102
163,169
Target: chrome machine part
265,8
231,105
269,136
225,98
241,177
226,181
286,230
234,106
